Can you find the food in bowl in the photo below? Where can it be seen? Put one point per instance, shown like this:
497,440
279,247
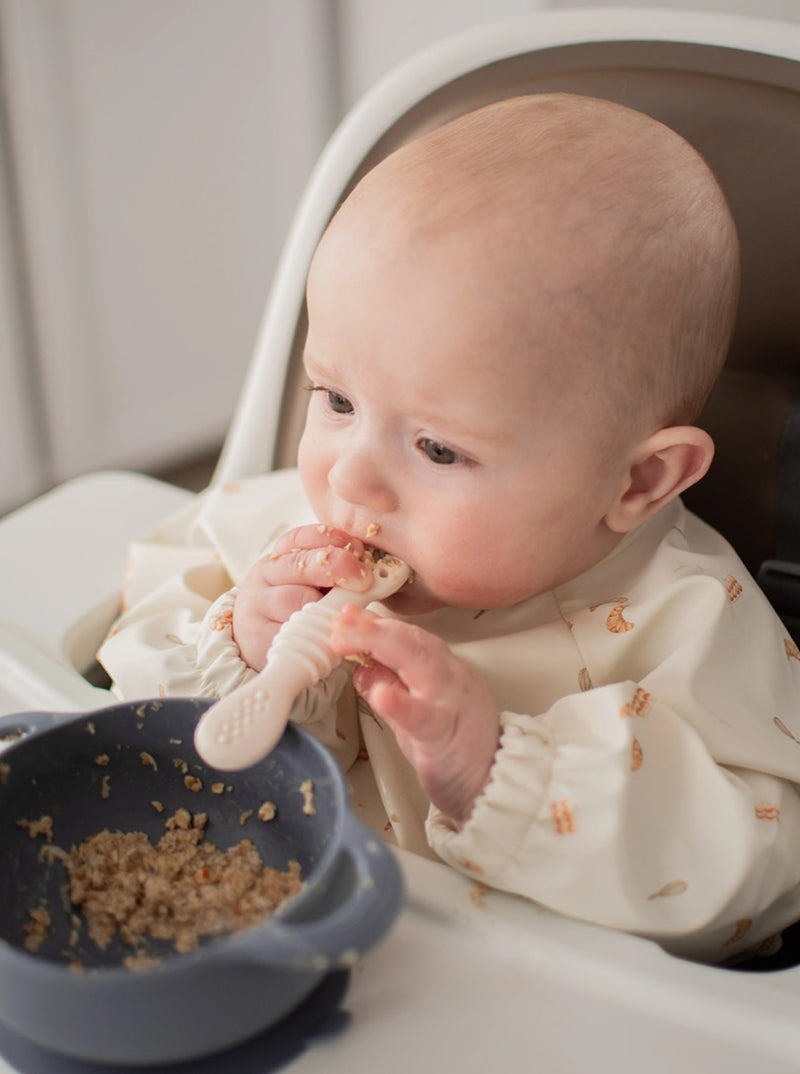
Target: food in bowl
178,889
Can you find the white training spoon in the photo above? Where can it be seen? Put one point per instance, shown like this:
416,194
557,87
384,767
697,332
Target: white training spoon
243,727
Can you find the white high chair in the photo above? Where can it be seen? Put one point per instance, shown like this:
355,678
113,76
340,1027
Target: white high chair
513,987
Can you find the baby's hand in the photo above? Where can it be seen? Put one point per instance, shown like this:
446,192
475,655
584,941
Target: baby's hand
303,564
440,710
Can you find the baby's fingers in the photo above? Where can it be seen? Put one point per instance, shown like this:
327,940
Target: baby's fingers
321,566
420,660
317,536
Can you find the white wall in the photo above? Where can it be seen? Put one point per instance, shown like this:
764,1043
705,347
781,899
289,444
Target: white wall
23,465
158,149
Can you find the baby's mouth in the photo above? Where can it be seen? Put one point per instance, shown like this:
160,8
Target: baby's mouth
373,555
408,599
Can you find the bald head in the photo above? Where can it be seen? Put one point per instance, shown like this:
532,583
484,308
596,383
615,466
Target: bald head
603,234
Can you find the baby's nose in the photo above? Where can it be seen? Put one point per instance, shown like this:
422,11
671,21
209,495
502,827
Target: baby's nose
359,478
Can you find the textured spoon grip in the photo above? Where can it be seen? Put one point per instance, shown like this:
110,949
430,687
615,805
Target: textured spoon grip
242,728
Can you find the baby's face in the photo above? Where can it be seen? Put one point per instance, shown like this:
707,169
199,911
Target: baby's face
439,432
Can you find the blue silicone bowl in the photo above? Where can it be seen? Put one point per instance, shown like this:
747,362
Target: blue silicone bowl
230,988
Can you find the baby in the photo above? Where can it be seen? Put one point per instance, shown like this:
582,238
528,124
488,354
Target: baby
581,697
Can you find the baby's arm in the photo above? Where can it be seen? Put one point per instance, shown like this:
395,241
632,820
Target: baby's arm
439,708
178,639
627,821
301,566
175,634
613,805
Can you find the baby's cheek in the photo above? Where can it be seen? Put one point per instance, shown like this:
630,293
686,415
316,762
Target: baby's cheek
467,582
491,580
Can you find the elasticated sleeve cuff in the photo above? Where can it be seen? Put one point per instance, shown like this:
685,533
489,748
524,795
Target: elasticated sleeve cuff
489,842
219,662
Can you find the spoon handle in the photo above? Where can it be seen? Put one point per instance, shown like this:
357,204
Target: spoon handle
240,729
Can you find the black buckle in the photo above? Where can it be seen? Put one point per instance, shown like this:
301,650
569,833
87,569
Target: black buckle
780,581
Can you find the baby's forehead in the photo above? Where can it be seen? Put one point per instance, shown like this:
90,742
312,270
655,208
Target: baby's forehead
426,193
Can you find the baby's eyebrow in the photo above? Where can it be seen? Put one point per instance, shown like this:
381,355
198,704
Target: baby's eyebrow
316,368
450,427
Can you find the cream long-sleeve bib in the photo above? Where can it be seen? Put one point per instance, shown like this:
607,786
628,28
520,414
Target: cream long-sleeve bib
650,711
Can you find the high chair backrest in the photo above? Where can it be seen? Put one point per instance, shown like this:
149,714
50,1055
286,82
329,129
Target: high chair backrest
730,85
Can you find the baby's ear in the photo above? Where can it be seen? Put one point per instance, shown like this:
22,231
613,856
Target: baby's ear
663,466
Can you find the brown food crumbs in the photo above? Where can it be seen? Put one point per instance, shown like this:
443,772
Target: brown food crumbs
176,742
193,783
178,890
267,811
11,736
307,791
141,712
158,806
148,759
363,659
42,826
105,787
477,894
102,759
91,728
181,818
244,816
373,529
49,854
217,788
5,772
36,928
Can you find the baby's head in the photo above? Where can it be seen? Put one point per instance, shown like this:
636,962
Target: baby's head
514,321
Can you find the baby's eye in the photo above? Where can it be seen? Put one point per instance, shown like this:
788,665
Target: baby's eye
339,404
438,453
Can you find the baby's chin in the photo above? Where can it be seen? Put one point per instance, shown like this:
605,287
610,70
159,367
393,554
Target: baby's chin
415,598
408,603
